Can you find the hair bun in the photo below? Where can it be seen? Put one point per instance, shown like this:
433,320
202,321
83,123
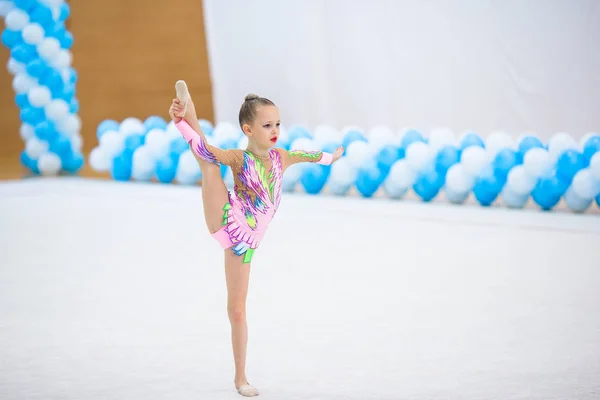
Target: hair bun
251,97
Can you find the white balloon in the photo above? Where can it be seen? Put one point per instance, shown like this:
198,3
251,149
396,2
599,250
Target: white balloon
15,67
342,177
441,137
16,19
595,166
73,124
243,143
33,34
305,144
474,160
64,59
458,180
57,110
187,167
172,131
112,143
497,141
225,131
99,160
23,83
381,136
49,164
49,49
325,134
418,155
537,163
358,152
26,131
6,7
158,143
39,96
585,185
35,147
559,143
519,182
131,126
143,164
76,143
399,180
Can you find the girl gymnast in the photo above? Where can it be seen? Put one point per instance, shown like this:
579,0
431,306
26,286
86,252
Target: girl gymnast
238,220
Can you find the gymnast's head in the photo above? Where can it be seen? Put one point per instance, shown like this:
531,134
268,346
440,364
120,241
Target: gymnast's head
259,120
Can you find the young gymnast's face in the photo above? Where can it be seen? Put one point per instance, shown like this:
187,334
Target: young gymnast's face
264,130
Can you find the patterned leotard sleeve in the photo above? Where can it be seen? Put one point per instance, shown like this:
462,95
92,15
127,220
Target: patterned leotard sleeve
202,149
292,157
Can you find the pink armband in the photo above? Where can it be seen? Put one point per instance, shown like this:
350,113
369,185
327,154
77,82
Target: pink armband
326,159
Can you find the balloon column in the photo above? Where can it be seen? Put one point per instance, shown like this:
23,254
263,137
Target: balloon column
496,170
154,150
44,82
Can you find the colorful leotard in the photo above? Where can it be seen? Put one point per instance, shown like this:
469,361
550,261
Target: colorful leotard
257,188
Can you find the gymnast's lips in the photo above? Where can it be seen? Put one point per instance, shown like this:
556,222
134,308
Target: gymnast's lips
274,139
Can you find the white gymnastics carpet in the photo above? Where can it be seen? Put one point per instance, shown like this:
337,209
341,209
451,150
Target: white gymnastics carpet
116,291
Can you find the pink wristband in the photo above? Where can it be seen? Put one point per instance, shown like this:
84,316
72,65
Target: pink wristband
326,159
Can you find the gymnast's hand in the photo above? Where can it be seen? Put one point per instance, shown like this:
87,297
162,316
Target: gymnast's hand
337,154
176,111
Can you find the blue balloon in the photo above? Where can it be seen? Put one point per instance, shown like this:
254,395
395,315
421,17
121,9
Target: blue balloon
548,191
386,157
37,68
61,146
23,53
512,199
412,135
591,147
29,163
11,38
576,203
66,41
471,139
569,163
166,169
330,147
45,130
43,16
22,100
528,143
314,177
598,200
53,80
298,132
352,136
25,5
72,75
105,126
179,145
229,144
74,106
32,115
121,166
65,11
446,157
68,93
428,184
73,163
206,127
487,188
134,141
223,170
369,178
154,122
504,161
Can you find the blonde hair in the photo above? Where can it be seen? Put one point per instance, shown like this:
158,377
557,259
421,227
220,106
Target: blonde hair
249,106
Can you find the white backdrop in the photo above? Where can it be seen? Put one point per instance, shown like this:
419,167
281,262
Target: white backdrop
514,65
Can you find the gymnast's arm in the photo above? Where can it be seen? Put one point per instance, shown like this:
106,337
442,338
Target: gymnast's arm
200,147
